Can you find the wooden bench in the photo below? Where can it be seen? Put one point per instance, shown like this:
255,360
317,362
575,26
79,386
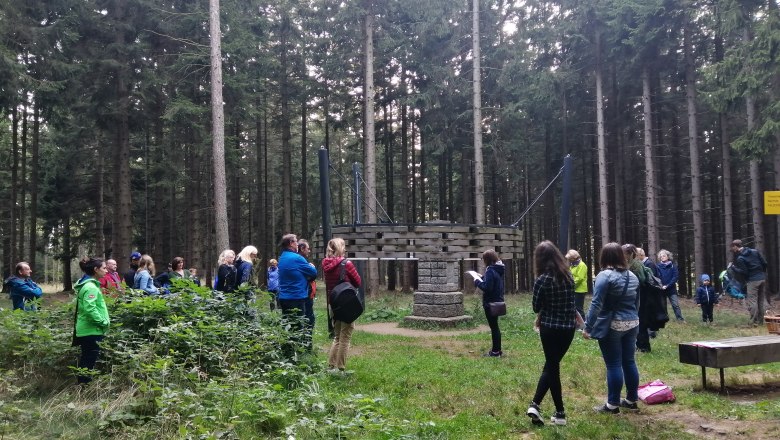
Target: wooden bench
732,352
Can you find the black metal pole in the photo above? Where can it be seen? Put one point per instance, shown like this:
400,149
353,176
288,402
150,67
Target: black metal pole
358,212
360,265
326,230
325,197
563,238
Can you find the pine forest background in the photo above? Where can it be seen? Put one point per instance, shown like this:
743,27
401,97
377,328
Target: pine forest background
669,108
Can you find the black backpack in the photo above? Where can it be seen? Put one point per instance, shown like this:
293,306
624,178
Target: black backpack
345,299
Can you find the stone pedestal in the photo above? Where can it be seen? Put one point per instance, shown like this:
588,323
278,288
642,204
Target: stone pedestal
438,300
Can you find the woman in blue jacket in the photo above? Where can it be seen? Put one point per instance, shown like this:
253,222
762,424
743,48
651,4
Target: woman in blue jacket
144,276
492,286
615,306
669,275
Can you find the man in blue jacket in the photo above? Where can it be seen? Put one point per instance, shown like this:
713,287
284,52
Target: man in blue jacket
751,266
294,276
22,288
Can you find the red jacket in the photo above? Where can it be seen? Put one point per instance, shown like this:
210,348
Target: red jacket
110,280
331,266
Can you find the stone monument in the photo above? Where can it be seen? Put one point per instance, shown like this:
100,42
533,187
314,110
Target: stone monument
438,300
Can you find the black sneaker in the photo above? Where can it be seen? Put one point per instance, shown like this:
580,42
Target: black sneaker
493,354
605,409
632,406
559,418
535,414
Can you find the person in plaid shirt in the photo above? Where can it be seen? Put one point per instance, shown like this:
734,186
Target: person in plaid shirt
557,320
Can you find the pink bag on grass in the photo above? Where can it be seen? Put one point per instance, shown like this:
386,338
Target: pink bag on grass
655,392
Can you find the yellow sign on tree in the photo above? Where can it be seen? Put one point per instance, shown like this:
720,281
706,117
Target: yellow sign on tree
772,202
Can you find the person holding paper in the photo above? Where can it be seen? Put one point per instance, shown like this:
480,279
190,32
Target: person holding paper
492,286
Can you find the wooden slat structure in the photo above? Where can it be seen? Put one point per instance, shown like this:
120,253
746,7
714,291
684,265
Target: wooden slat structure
732,352
429,241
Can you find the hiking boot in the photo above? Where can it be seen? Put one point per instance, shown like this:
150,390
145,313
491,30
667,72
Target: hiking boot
559,418
631,406
535,414
493,354
606,409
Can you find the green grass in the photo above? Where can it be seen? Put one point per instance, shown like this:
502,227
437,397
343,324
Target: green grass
444,383
430,387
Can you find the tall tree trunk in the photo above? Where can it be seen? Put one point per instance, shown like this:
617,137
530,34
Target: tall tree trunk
602,149
34,184
389,188
218,130
693,145
369,146
100,216
652,212
725,149
678,208
479,178
284,89
406,215
236,240
23,184
67,255
14,189
260,193
304,175
123,220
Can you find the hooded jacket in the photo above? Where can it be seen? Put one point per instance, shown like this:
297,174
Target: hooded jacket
580,273
243,272
92,317
273,279
706,294
331,267
750,264
492,284
22,289
668,274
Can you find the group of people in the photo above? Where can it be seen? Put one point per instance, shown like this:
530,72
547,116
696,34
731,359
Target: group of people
624,313
613,318
629,305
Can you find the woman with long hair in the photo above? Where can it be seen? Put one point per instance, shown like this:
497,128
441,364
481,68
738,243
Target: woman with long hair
492,286
331,267
226,273
144,276
554,303
92,319
615,306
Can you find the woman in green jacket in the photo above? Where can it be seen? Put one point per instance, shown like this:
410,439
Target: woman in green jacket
91,314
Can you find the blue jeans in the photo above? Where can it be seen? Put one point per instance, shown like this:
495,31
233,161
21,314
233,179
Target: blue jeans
618,350
675,304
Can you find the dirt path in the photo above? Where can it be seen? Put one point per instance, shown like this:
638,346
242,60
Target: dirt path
392,328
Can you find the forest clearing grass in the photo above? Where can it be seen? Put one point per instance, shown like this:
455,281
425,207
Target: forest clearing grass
446,382
435,386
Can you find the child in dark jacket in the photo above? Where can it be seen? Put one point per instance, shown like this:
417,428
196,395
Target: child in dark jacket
706,298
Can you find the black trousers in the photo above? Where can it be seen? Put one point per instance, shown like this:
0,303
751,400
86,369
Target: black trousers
495,332
706,312
90,351
555,343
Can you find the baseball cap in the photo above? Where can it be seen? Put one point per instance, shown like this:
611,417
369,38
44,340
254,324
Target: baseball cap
135,256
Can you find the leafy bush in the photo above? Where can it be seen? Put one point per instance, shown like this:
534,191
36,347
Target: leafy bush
193,364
